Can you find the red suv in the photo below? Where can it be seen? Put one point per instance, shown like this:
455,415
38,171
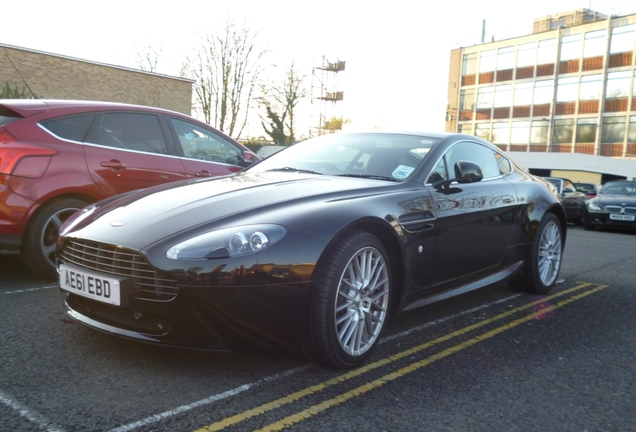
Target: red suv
57,156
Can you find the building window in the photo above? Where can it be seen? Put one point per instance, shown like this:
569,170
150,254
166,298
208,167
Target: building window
539,131
613,129
506,58
567,89
563,131
543,92
523,94
617,85
586,130
467,100
500,133
594,44
465,128
469,64
526,54
547,51
571,47
503,96
520,132
631,132
591,87
482,130
622,39
484,97
487,61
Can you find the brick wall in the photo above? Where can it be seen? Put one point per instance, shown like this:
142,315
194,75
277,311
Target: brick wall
56,77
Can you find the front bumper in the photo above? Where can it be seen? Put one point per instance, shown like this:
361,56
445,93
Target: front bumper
604,219
245,318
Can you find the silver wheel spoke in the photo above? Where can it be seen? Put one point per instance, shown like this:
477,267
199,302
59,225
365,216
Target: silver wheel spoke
549,261
362,302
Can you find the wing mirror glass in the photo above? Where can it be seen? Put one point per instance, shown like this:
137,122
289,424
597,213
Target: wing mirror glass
468,172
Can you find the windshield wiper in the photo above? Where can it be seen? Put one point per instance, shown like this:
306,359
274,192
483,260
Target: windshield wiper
300,170
369,176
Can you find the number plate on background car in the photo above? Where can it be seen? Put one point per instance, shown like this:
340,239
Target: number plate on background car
90,285
622,217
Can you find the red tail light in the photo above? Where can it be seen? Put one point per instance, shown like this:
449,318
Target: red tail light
24,160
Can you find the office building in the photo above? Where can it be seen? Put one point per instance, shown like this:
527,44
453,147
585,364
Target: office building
561,100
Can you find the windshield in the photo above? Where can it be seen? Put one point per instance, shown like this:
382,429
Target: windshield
619,188
393,157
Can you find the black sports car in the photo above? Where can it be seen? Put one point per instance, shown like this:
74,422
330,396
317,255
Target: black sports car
614,206
314,247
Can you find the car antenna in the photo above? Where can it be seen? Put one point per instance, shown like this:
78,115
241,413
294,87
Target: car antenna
23,80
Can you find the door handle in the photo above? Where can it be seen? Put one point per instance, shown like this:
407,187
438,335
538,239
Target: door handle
507,199
115,165
203,173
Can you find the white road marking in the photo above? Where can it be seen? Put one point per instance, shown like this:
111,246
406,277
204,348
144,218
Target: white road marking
448,318
31,289
28,414
229,393
183,408
43,423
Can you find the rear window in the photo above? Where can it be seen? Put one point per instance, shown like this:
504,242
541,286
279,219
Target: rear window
7,116
72,128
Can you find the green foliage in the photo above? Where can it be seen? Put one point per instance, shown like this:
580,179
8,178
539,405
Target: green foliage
14,93
280,101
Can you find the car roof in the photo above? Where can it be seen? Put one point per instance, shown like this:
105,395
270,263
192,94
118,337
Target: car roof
29,107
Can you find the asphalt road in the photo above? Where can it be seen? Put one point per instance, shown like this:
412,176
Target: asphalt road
493,360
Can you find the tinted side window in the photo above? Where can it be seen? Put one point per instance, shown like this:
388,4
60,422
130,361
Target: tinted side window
568,187
133,131
72,128
504,164
203,144
439,172
477,153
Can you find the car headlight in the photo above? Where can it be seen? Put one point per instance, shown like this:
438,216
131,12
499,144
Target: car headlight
592,205
228,242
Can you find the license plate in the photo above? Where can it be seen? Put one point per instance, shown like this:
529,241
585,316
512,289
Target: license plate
622,217
91,285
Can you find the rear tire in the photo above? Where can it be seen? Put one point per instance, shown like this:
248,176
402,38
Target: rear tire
38,245
350,302
542,267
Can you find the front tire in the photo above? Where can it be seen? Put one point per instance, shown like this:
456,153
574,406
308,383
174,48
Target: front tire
350,302
544,263
38,245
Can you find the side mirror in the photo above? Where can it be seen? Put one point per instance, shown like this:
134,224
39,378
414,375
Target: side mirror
249,158
468,172
465,172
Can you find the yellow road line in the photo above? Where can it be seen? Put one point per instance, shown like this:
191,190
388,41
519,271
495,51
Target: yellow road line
293,397
316,409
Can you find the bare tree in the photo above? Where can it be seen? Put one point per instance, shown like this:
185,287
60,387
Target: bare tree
280,102
147,57
226,69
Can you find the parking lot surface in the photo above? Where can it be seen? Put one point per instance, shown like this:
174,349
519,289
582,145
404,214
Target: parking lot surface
490,360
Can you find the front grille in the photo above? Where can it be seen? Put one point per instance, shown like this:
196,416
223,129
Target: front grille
617,209
122,262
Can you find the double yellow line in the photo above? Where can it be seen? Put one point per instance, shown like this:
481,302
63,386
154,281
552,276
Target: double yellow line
542,303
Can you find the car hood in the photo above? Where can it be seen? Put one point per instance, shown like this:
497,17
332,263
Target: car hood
616,199
152,214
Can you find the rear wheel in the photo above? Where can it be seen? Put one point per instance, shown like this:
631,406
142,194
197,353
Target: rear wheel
544,263
38,245
350,303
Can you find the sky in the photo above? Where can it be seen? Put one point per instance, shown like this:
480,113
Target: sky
397,53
